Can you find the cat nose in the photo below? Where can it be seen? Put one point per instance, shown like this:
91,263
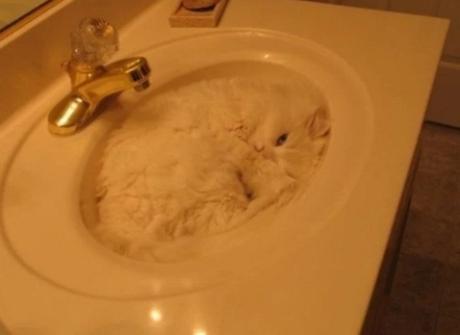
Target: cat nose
259,147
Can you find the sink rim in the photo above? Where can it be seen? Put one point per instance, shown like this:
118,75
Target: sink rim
245,34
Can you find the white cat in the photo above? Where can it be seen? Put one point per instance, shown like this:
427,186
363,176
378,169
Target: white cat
205,158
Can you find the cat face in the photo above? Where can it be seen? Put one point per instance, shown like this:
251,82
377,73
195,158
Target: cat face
280,120
288,134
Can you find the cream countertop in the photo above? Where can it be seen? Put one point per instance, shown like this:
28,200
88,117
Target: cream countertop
327,290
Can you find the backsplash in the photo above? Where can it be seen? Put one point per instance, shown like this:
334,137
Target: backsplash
10,10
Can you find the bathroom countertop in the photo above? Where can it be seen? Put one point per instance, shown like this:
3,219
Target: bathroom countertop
327,289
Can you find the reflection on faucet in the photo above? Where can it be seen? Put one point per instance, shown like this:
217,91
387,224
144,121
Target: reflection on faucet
92,44
77,108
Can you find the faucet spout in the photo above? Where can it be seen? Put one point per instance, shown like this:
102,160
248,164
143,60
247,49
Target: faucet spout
93,43
76,109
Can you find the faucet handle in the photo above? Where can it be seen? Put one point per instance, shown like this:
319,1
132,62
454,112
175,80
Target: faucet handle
93,43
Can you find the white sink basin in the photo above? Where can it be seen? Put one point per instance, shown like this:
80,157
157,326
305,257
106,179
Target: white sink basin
41,218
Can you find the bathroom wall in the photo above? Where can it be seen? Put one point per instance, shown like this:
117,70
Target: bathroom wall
445,101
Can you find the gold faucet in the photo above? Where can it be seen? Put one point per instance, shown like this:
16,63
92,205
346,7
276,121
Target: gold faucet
91,81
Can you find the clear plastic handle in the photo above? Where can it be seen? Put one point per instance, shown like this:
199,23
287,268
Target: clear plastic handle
94,42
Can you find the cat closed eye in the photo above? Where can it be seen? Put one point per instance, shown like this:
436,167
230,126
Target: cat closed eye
281,139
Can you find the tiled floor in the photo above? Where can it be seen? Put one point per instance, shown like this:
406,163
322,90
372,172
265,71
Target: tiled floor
425,296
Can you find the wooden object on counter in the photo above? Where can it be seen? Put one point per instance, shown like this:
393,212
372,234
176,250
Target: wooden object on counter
183,17
199,4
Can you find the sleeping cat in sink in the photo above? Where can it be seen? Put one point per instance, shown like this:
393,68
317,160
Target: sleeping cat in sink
204,159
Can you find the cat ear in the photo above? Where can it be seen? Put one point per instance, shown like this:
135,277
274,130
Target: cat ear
318,124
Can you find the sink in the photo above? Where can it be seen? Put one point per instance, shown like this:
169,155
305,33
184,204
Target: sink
42,220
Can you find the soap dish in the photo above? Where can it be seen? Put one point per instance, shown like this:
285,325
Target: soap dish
183,17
